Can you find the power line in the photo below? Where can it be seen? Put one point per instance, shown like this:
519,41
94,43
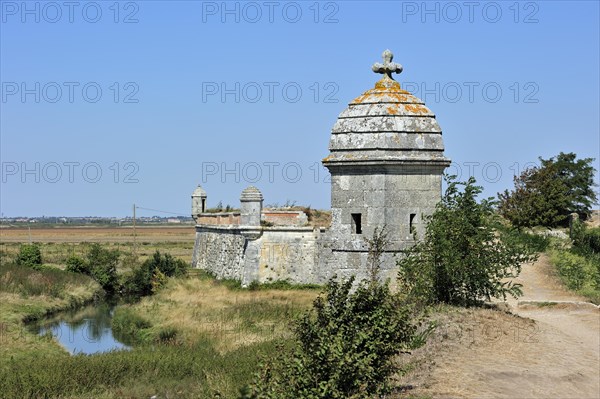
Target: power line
158,210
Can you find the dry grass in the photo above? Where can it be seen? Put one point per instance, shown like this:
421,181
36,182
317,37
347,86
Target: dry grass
203,308
97,234
462,337
57,244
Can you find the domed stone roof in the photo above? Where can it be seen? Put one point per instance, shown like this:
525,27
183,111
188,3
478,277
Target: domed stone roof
386,125
251,193
199,192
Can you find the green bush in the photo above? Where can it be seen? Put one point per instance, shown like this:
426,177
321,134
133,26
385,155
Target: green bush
102,266
29,255
464,257
534,242
577,271
76,264
151,275
344,347
587,240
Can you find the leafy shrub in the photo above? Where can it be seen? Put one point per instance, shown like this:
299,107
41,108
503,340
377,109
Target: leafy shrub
575,269
587,240
29,255
534,242
463,257
344,347
102,266
158,280
76,264
152,274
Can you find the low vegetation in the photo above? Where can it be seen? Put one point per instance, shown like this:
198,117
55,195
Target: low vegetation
578,261
151,275
343,348
29,256
464,257
184,371
29,294
193,338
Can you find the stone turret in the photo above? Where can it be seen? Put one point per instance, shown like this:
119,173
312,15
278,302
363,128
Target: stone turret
386,162
251,201
198,201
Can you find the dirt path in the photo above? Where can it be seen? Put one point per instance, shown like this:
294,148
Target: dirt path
541,350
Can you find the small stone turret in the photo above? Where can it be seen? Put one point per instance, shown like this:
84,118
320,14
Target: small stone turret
251,206
198,201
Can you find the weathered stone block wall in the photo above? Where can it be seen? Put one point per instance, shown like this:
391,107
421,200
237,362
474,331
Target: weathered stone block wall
289,254
383,199
262,254
219,250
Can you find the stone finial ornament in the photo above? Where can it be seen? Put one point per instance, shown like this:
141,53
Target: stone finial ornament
388,67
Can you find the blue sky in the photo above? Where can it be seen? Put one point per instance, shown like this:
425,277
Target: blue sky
106,104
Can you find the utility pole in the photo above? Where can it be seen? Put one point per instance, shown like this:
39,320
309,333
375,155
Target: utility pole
134,232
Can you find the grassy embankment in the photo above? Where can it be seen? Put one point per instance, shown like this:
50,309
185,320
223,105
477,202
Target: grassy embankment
27,294
578,263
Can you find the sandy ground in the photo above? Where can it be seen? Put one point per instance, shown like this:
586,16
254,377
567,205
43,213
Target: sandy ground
535,351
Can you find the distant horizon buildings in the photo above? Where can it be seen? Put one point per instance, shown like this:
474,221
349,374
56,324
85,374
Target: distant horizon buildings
91,220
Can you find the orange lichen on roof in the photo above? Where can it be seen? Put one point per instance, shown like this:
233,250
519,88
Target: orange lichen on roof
394,97
392,110
416,109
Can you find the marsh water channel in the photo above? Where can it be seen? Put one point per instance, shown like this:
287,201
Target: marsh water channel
85,330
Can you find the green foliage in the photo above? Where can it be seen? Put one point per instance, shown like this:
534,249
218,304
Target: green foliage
464,257
585,239
376,245
129,327
344,347
101,264
76,264
537,200
158,280
578,176
152,274
547,194
30,256
579,265
572,267
164,371
283,285
534,242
